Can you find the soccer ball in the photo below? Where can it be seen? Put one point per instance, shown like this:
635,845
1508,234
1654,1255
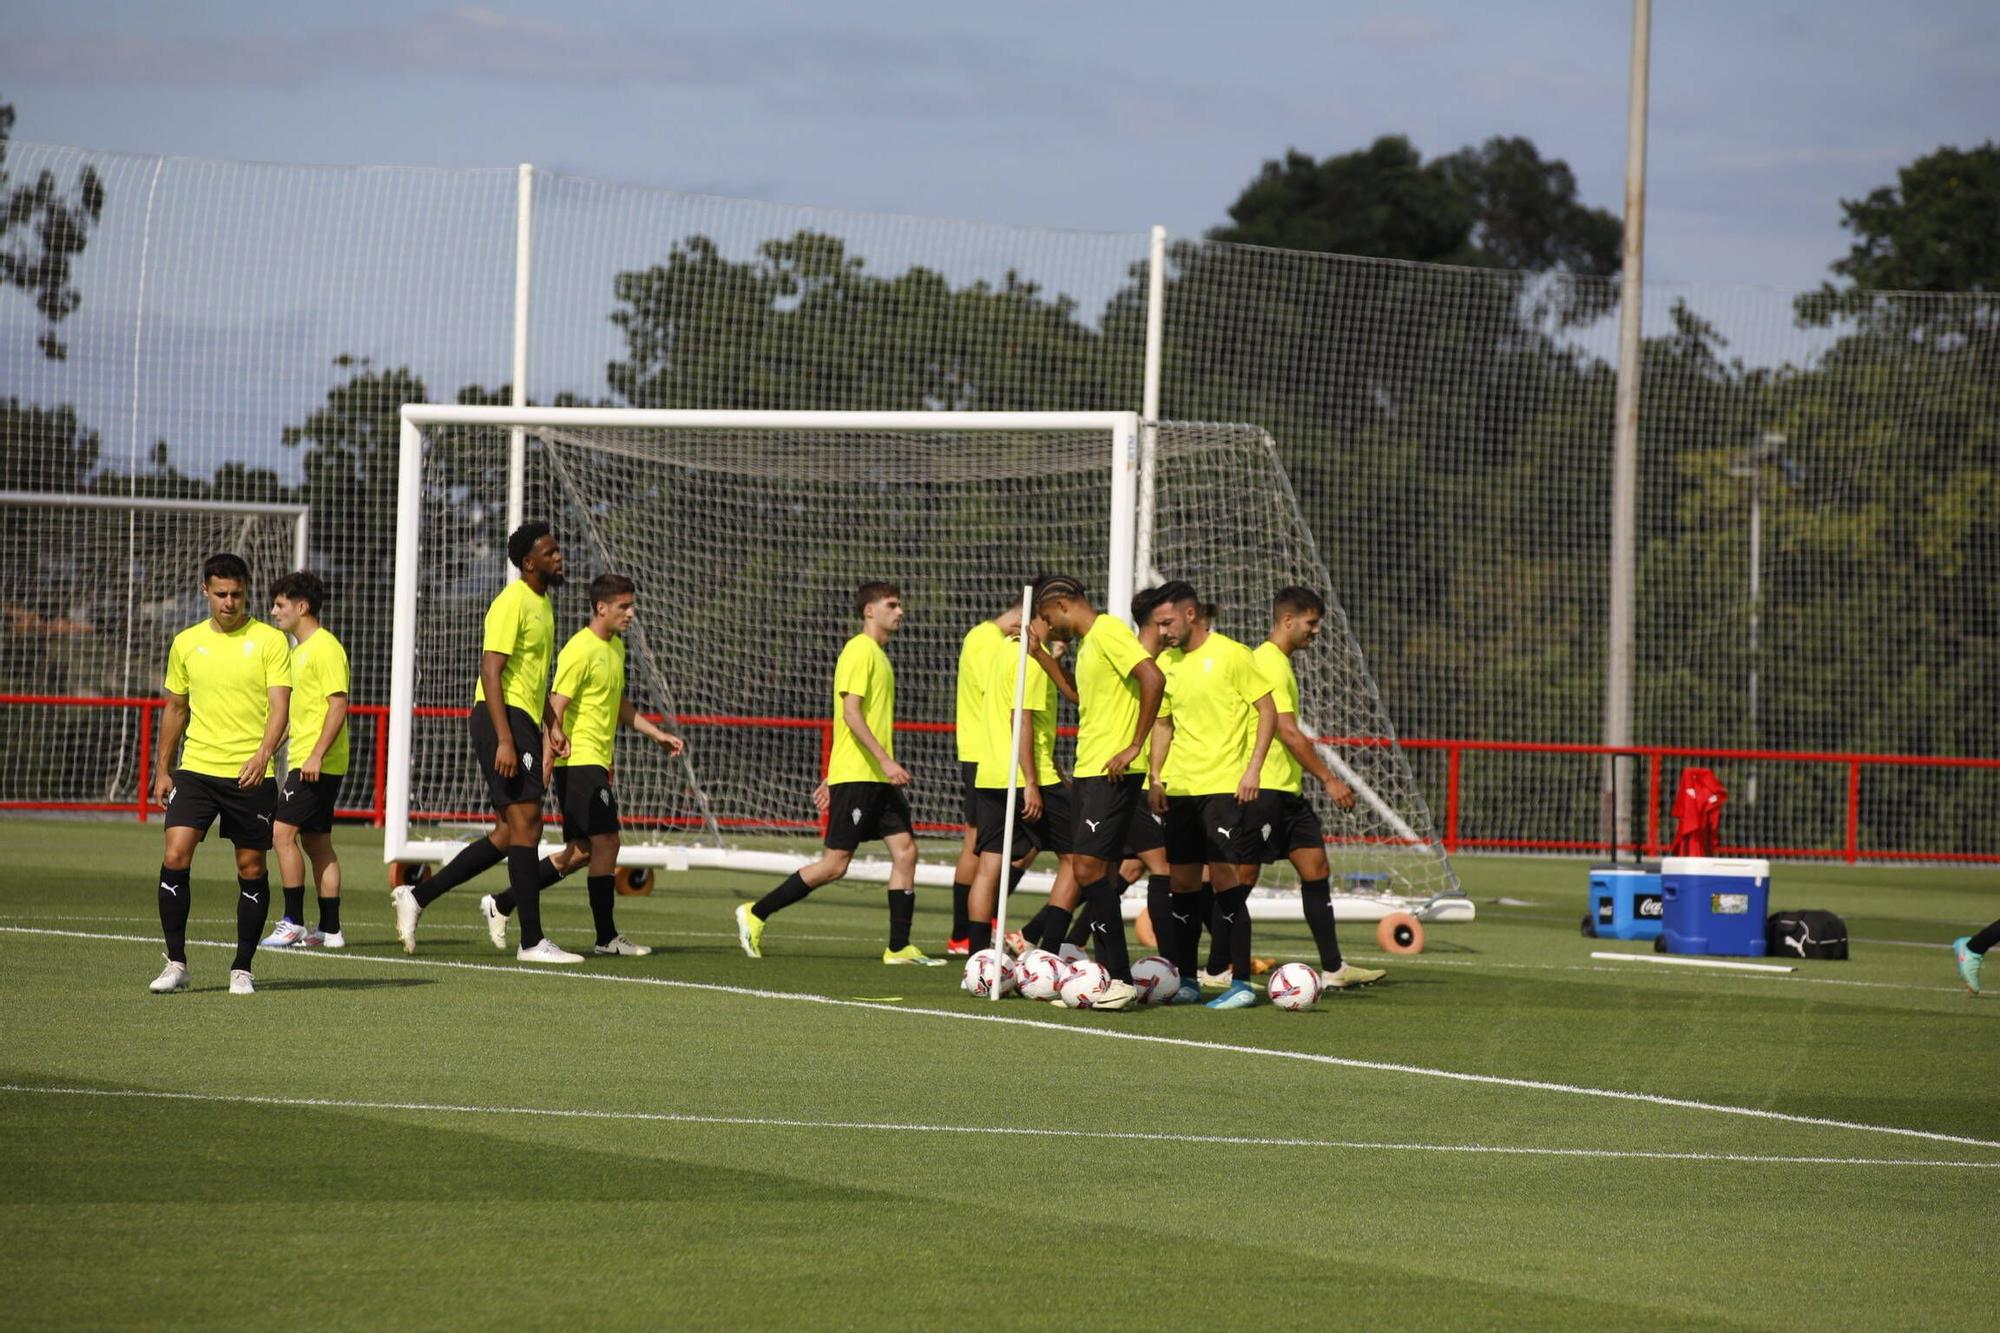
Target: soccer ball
985,970
1157,980
1294,986
1040,974
1071,953
1084,985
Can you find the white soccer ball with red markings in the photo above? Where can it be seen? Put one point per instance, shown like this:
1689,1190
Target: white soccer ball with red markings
1040,974
1071,953
987,969
1294,986
1157,979
1084,986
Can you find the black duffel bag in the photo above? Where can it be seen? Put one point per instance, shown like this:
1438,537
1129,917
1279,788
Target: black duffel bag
1805,934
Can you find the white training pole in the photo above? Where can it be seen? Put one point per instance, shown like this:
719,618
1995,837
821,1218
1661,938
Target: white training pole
1013,767
1124,505
1149,403
1673,961
301,539
403,644
517,439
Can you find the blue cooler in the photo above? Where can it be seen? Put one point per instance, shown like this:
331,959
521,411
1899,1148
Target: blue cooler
1715,905
1625,902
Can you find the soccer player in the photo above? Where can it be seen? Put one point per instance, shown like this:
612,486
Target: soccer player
970,734
589,697
1219,730
1118,687
862,793
1970,951
316,760
510,705
229,686
1290,826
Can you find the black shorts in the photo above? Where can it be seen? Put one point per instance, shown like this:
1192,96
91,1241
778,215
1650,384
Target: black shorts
1288,823
584,795
863,812
1233,831
1053,832
968,794
1104,807
308,806
199,798
526,784
1145,831
1185,844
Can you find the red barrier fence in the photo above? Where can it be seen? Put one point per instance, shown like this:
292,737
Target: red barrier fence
1655,757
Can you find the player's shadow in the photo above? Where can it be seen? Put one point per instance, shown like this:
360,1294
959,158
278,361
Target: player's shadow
347,983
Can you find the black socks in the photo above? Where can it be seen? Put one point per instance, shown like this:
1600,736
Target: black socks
902,911
792,890
1318,896
549,876
295,904
1979,943
524,877
1107,928
979,934
961,907
173,896
603,890
1160,911
329,916
1231,923
253,909
477,858
1047,928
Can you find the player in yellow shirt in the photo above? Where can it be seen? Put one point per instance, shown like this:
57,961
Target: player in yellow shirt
509,711
1118,689
1290,827
316,761
1221,722
590,698
229,686
969,733
862,794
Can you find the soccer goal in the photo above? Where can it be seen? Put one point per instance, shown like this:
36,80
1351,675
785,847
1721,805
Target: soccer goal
106,582
747,533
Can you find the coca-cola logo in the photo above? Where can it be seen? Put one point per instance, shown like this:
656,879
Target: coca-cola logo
1651,905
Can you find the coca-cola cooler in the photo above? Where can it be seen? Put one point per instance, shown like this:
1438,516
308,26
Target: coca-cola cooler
1625,901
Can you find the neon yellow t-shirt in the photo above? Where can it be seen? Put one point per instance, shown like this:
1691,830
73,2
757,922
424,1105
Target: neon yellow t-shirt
521,624
590,673
1214,688
863,670
980,640
226,678
1281,768
1168,661
319,671
1038,706
1107,698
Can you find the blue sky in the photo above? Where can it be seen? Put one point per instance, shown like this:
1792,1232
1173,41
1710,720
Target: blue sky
1105,116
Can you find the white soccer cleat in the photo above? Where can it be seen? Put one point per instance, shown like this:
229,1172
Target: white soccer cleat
620,947
323,939
284,936
1216,980
1116,995
1349,975
174,978
496,922
240,982
408,912
548,951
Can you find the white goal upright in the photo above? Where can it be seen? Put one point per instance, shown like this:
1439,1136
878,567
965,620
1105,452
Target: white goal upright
747,533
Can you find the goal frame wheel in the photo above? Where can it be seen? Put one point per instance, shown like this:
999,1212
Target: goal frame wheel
411,873
636,881
1400,933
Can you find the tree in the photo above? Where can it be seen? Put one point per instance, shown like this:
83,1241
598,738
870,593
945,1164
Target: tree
43,227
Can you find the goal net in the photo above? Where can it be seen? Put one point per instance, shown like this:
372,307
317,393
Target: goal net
108,581
747,534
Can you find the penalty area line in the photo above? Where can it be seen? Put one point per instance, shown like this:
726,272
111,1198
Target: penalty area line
1079,1030
996,1131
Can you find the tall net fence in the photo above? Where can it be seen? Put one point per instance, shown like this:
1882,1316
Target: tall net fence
748,545
248,332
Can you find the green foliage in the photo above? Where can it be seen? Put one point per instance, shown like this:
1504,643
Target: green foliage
43,227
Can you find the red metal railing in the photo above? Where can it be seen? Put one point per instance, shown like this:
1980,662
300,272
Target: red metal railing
1454,750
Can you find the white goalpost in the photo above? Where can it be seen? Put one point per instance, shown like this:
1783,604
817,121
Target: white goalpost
747,533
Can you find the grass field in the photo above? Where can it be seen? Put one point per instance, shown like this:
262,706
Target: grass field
1501,1134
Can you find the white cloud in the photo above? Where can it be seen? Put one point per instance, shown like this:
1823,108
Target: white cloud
1398,31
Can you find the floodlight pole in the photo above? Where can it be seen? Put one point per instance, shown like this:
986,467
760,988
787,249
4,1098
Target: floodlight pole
517,439
1615,820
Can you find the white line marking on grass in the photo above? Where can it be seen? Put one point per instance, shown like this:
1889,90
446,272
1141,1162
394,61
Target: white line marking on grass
1077,1029
1003,1131
1404,960
442,925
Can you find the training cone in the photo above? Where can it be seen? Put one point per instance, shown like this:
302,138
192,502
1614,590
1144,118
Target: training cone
635,881
1399,932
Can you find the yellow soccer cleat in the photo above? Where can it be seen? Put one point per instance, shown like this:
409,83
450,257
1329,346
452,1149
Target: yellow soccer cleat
749,931
910,956
1350,975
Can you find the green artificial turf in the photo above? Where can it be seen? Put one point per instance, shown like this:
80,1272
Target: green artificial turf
417,1186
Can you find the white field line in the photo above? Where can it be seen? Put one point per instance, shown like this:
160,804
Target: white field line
442,925
998,1131
1076,1029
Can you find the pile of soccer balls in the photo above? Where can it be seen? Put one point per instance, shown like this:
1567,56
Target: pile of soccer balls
1075,982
